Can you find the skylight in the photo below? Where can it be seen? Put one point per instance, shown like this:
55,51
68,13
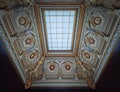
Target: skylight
59,29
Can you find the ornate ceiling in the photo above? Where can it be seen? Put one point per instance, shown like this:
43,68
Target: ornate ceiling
22,34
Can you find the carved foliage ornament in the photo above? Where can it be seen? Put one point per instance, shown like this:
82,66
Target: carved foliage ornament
14,4
35,73
86,72
106,4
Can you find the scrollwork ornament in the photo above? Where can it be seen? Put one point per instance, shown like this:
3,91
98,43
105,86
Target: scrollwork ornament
34,73
86,73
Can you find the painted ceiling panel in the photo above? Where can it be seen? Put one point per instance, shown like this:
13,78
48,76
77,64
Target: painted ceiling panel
21,31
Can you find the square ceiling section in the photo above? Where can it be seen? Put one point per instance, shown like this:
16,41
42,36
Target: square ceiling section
59,28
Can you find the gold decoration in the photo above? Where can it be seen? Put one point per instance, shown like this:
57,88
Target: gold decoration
22,21
88,67
52,67
28,41
28,84
87,55
90,82
91,41
32,55
33,74
97,20
86,72
67,67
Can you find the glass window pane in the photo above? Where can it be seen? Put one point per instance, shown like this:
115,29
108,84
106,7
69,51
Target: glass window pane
65,25
53,36
46,13
65,31
71,19
70,30
49,36
53,25
59,45
54,45
70,36
65,36
54,40
71,25
72,13
59,27
47,18
53,31
48,25
66,13
60,13
64,44
65,40
52,19
59,31
59,41
69,45
59,19
65,19
48,30
59,36
69,41
52,13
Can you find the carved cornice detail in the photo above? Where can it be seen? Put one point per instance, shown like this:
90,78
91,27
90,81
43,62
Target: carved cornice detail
35,73
104,4
86,72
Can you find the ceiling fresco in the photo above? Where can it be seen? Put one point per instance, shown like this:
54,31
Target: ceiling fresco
97,31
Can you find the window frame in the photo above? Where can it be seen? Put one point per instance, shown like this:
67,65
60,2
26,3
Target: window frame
78,27
73,31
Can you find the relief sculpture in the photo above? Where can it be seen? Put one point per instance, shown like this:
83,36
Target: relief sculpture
34,74
86,72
